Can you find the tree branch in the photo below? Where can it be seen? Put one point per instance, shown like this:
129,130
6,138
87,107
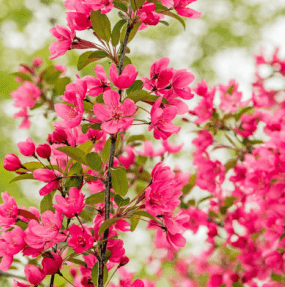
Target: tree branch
108,184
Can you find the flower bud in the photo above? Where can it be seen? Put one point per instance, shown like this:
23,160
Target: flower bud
27,148
43,150
51,263
34,274
124,260
59,136
12,162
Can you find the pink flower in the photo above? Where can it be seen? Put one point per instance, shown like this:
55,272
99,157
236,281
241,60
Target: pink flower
52,263
46,175
116,116
161,121
99,85
148,150
12,162
72,116
71,205
11,243
129,159
46,233
170,148
248,125
80,240
62,45
8,210
27,148
34,274
23,113
26,95
127,77
147,14
104,6
182,10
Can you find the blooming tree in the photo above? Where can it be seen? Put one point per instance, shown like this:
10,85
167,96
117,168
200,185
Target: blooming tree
99,184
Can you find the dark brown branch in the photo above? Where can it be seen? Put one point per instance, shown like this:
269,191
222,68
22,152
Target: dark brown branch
108,184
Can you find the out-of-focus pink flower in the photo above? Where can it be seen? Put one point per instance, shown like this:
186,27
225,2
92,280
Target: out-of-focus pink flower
182,10
37,62
26,95
116,116
27,148
129,159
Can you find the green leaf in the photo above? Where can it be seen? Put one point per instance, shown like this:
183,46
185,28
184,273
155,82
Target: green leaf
94,274
119,180
105,276
23,76
115,36
120,5
32,165
60,85
51,75
164,22
101,25
205,198
245,110
137,85
23,225
134,222
107,223
141,95
94,161
74,181
145,214
88,107
86,127
229,201
86,147
46,203
231,163
132,33
86,216
164,10
77,261
75,153
276,277
89,57
106,150
136,138
97,197
22,177
136,4
120,201
237,284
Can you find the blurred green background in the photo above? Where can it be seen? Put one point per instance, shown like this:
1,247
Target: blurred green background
216,47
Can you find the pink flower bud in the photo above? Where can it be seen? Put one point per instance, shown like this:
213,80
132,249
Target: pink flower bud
52,263
58,136
27,148
34,274
12,162
37,62
43,150
124,260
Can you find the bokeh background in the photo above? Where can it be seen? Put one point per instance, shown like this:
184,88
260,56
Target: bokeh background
217,47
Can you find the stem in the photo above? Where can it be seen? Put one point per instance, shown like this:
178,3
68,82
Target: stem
103,246
51,281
